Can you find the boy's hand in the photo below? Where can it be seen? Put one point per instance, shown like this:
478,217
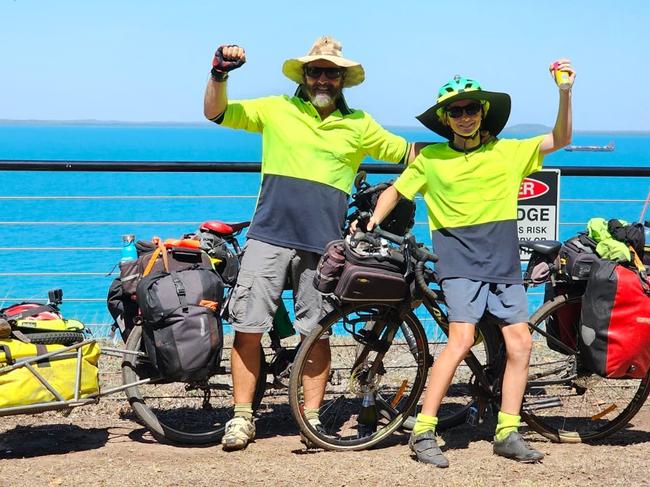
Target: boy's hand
563,65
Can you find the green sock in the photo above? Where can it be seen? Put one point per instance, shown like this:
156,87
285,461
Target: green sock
425,423
244,410
312,415
506,424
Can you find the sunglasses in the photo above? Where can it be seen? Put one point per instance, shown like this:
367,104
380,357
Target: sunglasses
471,109
330,73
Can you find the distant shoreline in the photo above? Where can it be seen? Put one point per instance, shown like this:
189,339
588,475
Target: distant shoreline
514,129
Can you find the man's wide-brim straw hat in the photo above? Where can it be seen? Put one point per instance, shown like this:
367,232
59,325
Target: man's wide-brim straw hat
328,49
496,105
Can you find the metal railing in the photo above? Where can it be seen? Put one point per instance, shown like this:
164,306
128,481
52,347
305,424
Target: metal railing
35,264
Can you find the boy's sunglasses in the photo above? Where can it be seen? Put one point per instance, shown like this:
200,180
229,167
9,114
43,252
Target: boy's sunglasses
471,109
330,73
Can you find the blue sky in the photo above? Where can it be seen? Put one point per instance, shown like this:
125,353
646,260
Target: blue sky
148,60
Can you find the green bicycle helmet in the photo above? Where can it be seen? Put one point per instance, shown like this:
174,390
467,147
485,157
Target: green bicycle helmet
458,84
496,106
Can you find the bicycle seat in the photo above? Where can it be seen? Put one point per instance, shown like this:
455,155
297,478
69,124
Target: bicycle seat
221,228
545,247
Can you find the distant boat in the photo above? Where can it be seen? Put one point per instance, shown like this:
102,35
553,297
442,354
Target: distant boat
591,148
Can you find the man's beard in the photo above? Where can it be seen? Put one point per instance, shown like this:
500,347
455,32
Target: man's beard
322,99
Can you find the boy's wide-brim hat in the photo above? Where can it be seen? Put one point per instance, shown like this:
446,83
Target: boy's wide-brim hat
328,49
495,119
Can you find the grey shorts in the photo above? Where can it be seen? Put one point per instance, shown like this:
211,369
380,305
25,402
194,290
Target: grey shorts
467,300
258,291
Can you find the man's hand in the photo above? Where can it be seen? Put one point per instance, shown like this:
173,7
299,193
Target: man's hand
227,58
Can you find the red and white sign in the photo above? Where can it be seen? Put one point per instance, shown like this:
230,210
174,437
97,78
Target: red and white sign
532,188
539,207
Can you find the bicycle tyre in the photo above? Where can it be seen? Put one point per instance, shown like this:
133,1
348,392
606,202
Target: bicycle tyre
397,386
56,338
577,406
174,412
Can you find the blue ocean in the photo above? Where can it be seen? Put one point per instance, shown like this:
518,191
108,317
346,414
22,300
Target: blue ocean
63,229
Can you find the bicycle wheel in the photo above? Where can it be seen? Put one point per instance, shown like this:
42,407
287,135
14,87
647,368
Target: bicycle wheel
568,404
383,357
180,412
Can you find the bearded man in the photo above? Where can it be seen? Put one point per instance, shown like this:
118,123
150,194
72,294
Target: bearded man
312,146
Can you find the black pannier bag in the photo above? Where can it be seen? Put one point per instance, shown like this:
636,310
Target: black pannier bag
182,331
576,257
157,258
614,338
151,258
372,275
123,309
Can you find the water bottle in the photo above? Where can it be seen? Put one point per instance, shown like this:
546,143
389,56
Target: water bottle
367,418
129,252
282,323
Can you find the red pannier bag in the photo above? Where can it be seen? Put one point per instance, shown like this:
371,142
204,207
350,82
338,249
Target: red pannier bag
614,339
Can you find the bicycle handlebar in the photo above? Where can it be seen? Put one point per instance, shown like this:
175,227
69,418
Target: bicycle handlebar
416,249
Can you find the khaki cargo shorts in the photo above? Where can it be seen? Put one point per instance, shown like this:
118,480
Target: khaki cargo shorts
262,277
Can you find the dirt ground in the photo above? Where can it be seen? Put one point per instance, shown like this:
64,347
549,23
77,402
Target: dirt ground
103,445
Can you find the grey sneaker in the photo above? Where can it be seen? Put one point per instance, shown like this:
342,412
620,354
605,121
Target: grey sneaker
239,433
426,449
516,448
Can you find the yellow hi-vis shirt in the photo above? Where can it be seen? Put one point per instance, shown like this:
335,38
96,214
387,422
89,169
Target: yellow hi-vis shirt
308,166
472,205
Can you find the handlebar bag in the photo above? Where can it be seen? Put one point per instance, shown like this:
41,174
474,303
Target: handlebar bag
20,387
614,339
372,276
182,331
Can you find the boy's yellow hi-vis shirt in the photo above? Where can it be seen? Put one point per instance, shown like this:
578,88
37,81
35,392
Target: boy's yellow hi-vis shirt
308,166
471,201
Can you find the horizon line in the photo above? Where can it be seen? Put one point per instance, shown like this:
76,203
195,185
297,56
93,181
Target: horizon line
530,126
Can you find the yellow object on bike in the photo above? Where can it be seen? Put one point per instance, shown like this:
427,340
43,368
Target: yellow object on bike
21,387
58,324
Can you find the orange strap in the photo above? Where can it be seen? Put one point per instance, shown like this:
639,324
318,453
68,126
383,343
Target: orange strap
160,250
212,305
635,259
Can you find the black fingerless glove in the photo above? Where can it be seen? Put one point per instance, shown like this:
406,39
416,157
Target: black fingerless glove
221,66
